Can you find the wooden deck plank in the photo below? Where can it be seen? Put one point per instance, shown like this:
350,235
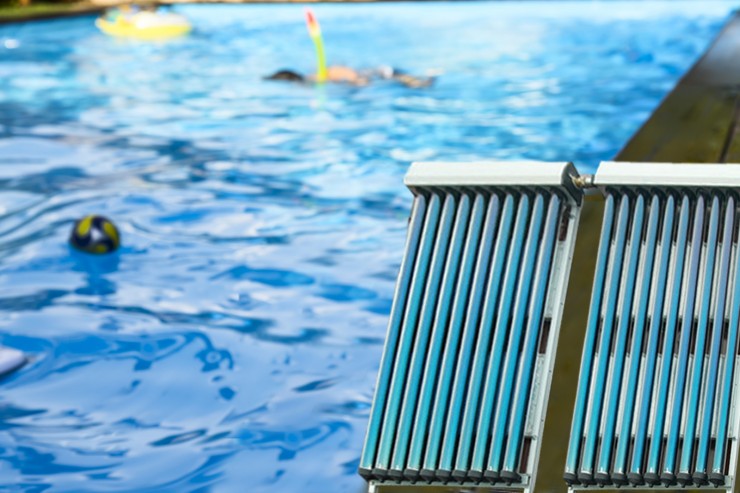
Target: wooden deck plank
693,122
691,126
732,153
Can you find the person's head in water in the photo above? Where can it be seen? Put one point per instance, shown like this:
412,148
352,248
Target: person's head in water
287,75
347,75
335,73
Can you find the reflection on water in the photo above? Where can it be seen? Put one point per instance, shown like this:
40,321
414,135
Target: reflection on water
233,342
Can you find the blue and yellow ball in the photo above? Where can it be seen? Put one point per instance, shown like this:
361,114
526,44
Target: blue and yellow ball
95,234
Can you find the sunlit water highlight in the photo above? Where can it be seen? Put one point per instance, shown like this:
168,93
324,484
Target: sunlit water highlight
233,343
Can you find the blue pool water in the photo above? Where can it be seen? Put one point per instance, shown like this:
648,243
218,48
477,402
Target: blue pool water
233,343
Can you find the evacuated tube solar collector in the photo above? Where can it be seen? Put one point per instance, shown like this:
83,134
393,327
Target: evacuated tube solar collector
657,397
466,369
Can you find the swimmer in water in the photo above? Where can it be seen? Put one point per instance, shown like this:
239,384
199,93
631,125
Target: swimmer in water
346,75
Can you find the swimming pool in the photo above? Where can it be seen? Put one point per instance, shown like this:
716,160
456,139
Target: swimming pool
233,343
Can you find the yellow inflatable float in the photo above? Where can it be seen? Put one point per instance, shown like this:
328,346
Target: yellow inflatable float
143,24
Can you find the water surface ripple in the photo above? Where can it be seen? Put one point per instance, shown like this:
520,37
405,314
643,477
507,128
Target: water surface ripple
233,342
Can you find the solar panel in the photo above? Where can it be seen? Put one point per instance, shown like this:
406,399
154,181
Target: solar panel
468,357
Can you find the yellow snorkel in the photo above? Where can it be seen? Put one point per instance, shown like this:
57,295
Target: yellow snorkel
315,32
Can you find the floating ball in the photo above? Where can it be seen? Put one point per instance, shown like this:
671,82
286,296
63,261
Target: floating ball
95,234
